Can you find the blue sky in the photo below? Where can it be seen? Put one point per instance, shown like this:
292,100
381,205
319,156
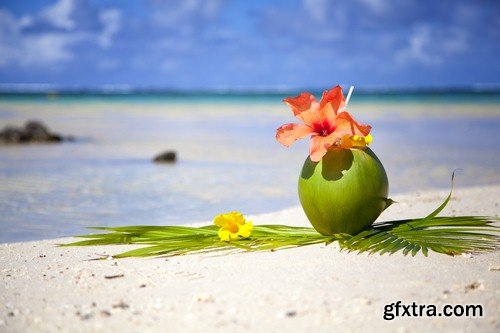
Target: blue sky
246,44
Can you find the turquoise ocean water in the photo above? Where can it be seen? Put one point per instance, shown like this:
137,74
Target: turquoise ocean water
228,158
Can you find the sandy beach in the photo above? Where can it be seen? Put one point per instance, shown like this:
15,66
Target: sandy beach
45,288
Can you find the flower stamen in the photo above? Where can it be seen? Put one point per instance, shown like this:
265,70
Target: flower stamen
324,128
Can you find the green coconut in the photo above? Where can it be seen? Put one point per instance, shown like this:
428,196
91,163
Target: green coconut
345,192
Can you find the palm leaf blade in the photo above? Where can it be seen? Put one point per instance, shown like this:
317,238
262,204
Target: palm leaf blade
448,235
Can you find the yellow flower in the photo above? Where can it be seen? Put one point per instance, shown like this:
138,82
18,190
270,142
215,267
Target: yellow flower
352,141
232,225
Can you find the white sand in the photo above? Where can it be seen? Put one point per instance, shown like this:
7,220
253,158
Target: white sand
45,288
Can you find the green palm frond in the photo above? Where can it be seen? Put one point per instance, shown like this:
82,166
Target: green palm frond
447,235
174,240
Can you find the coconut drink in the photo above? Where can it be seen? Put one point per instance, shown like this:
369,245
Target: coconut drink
343,186
345,192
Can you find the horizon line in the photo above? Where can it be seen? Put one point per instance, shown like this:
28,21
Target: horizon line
112,89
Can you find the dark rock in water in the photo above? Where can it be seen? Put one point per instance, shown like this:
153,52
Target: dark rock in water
12,135
166,157
33,131
36,131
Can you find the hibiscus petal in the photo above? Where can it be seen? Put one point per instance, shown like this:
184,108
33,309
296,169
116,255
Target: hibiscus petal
289,133
301,102
345,124
320,144
334,97
326,114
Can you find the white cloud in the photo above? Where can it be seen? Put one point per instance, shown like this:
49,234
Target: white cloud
432,46
183,14
47,48
178,28
419,49
377,6
8,24
59,14
49,37
317,9
40,50
111,19
25,21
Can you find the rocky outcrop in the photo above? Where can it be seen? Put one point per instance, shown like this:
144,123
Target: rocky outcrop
168,156
33,132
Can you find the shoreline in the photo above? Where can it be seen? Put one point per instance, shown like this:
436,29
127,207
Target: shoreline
48,288
227,160
298,217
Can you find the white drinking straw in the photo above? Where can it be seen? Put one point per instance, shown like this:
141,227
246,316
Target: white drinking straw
349,95
348,98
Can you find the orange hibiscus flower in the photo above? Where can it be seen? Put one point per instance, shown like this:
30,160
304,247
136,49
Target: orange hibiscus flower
327,122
